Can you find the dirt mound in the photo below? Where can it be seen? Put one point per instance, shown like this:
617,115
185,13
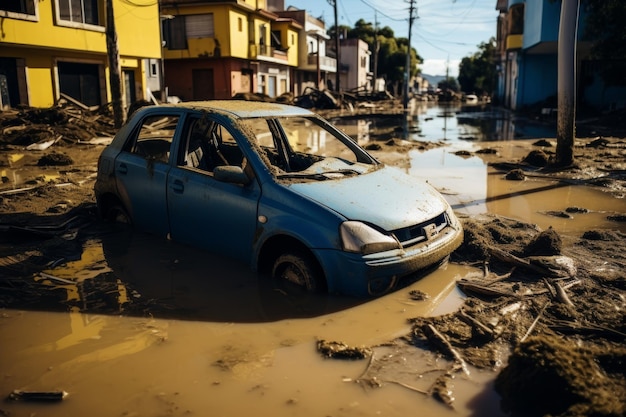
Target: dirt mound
557,376
556,302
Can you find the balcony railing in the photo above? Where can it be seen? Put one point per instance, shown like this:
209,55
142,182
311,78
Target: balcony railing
259,51
326,63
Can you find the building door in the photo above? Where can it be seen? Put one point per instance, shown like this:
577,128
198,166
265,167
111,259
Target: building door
271,86
80,81
202,84
129,87
246,80
9,93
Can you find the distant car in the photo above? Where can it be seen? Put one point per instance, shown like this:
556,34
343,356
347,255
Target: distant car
278,187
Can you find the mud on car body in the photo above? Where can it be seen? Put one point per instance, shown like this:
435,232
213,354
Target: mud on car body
278,187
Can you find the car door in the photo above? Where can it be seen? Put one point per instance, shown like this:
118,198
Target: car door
141,170
216,215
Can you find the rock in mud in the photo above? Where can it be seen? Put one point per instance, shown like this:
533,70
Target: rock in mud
515,175
542,142
55,159
339,350
546,243
537,158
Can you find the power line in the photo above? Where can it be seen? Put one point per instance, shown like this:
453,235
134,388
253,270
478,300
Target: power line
387,16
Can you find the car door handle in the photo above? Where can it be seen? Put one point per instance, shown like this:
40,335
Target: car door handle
122,169
178,186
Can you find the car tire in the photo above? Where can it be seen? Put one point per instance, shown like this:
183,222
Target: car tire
298,271
118,214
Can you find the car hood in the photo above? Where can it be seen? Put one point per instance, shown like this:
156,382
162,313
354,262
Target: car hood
386,197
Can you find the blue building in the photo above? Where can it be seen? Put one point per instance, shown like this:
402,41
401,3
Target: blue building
527,44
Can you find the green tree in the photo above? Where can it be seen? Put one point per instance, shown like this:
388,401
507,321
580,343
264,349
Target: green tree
449,83
391,56
605,27
477,73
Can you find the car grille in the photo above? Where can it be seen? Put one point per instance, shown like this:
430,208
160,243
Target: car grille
422,232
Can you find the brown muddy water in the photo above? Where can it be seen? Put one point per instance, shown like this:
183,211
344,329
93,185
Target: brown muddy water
183,333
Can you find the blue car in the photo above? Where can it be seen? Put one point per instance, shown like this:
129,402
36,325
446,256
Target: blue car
277,187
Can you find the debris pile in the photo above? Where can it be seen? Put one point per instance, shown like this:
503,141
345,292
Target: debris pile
557,316
39,128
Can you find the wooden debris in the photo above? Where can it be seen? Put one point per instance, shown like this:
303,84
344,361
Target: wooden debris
534,323
43,145
441,342
511,308
561,295
441,391
471,287
514,260
472,321
557,292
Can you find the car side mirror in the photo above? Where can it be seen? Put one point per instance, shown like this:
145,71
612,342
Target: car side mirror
231,173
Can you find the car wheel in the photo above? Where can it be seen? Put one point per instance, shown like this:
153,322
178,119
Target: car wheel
118,214
297,270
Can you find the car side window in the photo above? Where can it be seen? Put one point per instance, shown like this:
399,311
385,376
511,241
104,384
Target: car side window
154,138
265,139
210,144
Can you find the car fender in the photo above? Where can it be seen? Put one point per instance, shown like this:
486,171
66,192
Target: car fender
284,213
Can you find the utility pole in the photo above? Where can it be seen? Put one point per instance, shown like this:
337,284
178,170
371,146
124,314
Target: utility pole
376,48
338,53
115,79
566,90
407,75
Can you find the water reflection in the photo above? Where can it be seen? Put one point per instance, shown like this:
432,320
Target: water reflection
138,274
434,122
471,187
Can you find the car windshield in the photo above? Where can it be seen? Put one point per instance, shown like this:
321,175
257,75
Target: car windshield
307,148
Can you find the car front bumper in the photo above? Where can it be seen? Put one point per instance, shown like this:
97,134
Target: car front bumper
376,274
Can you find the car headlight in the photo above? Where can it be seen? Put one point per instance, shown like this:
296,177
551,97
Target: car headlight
360,238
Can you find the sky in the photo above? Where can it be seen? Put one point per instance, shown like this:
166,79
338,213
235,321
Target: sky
445,31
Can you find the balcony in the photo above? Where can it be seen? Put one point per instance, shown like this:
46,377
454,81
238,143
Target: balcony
514,42
327,63
268,53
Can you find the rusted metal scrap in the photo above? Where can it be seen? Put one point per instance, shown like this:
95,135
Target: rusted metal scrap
42,396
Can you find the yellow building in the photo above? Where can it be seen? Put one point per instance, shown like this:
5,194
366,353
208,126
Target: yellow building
217,49
59,47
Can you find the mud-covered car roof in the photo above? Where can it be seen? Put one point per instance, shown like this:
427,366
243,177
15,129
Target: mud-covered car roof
246,109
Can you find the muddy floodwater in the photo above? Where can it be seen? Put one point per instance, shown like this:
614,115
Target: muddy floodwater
183,333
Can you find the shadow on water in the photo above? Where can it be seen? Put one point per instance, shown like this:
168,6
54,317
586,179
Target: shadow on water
85,265
171,280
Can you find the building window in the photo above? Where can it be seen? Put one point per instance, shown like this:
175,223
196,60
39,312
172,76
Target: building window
240,24
80,81
276,40
199,26
516,20
176,31
79,11
153,69
14,8
293,39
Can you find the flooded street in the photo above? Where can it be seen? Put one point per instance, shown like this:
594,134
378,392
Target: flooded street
184,333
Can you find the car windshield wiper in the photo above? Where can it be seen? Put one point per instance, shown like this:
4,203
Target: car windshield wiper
315,176
346,172
320,176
